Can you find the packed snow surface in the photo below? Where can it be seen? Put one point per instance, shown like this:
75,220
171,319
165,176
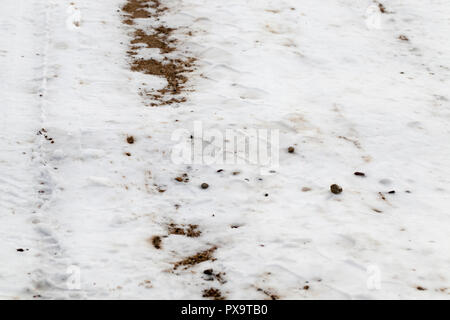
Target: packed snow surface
352,86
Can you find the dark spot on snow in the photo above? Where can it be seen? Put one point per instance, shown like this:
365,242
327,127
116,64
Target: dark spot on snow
204,186
156,242
269,294
420,288
291,149
197,258
391,192
213,276
336,189
183,230
361,174
128,154
183,178
208,272
130,139
306,189
403,37
213,293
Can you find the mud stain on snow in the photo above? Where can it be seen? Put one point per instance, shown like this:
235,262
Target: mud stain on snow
190,230
213,294
197,258
173,70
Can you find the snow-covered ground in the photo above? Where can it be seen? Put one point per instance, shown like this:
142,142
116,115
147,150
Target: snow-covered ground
350,87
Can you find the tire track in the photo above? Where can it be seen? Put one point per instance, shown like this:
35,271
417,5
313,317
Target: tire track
173,67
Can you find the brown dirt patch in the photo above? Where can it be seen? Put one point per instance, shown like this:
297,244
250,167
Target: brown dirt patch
157,40
200,257
173,70
211,275
183,230
156,242
213,293
137,9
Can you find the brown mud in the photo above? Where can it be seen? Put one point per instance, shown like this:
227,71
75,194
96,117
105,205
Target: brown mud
188,231
172,70
213,293
200,257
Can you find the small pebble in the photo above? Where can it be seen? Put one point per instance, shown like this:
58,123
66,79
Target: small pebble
361,174
130,139
391,192
291,149
336,189
204,186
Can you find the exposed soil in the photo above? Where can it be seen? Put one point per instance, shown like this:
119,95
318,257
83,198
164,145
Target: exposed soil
159,39
213,293
183,230
200,257
156,242
173,70
211,276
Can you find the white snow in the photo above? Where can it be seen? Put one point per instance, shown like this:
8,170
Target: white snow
331,76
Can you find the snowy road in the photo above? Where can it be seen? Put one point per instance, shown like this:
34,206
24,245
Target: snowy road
86,212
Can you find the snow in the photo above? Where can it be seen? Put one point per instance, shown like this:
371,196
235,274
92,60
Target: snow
331,76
